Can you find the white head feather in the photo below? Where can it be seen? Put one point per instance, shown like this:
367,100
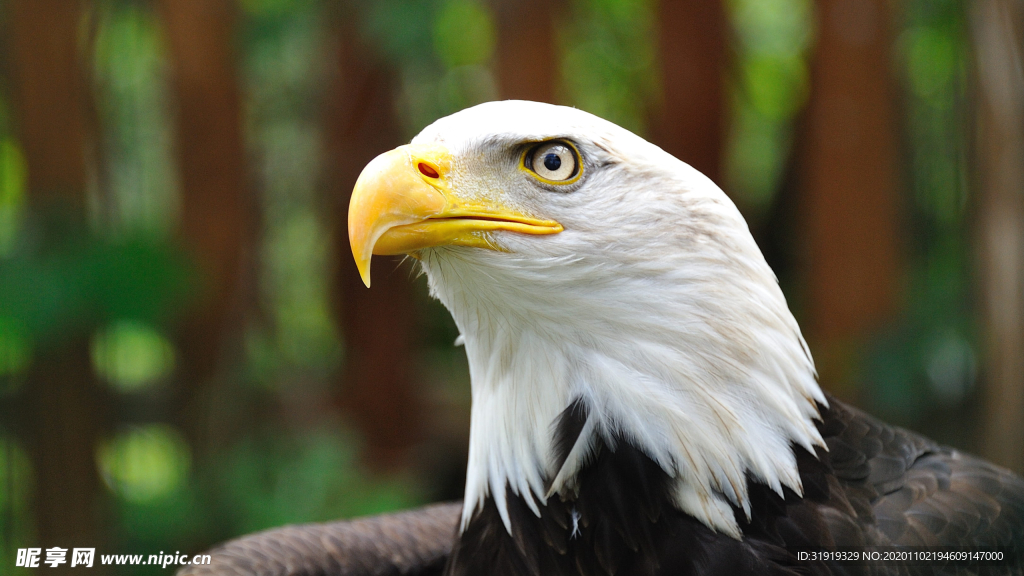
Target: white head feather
654,305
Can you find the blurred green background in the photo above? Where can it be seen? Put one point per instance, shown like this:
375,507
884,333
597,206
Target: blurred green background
186,352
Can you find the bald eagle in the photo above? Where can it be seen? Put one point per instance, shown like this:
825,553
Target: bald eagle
643,400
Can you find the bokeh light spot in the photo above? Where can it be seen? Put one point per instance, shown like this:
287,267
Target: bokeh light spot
144,463
131,355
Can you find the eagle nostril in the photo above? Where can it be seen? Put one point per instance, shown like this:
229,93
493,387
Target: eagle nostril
427,170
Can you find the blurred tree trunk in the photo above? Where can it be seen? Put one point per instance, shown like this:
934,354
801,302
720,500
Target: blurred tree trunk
850,186
998,27
528,55
693,48
377,390
215,204
65,405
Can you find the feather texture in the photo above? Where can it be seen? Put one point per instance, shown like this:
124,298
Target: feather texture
876,485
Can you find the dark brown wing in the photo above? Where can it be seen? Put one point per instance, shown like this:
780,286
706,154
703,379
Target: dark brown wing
895,487
413,543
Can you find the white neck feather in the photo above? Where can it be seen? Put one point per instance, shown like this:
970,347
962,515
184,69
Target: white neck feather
683,344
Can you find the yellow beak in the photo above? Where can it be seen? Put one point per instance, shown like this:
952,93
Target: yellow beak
403,202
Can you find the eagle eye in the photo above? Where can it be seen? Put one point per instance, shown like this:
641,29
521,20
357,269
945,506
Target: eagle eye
555,162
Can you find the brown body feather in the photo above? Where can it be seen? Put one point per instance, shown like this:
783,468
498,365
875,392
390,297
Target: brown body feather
413,543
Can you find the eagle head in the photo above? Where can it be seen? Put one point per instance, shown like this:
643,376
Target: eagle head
582,263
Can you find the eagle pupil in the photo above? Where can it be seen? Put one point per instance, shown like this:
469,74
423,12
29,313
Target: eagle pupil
552,162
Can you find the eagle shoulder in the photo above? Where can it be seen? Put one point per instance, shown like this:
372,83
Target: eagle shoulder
902,489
